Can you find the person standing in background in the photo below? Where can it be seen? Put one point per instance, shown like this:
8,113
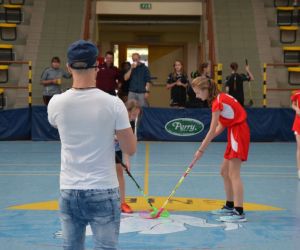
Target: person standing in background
139,78
235,82
177,82
193,101
124,85
108,75
51,79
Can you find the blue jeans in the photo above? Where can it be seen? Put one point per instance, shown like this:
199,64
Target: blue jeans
99,208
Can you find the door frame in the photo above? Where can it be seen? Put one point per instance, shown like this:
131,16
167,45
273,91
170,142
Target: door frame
140,44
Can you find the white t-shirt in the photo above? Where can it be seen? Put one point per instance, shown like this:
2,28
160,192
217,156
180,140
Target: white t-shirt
87,121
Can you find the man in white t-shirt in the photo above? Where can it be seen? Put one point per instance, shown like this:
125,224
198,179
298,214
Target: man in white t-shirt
87,120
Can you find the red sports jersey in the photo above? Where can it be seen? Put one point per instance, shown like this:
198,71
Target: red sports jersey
232,112
296,98
233,116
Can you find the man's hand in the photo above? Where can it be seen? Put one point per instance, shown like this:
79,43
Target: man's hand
134,65
57,81
127,163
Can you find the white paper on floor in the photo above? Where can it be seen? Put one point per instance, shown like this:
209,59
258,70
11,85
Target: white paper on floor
174,223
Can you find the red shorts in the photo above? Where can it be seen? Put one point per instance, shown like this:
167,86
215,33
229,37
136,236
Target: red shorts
296,125
238,142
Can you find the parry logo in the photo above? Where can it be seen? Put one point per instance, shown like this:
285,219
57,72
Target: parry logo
184,127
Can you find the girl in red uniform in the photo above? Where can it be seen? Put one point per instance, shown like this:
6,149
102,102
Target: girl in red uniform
226,113
296,126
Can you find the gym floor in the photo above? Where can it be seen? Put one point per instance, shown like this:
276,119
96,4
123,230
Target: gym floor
29,178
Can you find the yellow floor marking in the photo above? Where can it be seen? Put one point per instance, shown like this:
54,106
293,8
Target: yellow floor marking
146,174
175,204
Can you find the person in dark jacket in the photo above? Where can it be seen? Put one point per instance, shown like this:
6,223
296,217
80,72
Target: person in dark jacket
235,82
177,82
138,78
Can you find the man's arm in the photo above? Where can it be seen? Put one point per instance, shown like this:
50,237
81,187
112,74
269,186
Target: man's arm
147,80
128,73
44,80
51,110
127,140
48,82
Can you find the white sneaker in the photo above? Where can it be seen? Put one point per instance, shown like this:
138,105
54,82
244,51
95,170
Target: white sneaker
234,217
223,211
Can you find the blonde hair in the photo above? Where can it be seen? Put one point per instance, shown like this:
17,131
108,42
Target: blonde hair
203,82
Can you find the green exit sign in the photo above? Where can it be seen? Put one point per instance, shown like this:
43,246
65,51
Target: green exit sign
146,6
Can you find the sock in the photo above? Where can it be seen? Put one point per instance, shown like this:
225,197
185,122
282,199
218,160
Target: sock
240,210
229,204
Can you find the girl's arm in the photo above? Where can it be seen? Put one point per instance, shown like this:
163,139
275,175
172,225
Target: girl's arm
183,84
219,129
249,73
295,107
212,133
171,85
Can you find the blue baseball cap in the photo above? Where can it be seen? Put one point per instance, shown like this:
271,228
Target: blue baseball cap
82,55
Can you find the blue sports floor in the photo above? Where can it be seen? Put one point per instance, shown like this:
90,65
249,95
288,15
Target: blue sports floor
29,175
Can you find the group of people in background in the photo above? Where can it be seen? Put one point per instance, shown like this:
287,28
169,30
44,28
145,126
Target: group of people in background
133,81
130,82
182,94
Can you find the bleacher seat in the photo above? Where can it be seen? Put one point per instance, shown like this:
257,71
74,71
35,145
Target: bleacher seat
285,16
291,71
278,3
284,30
4,73
17,2
282,3
8,27
6,52
15,10
291,54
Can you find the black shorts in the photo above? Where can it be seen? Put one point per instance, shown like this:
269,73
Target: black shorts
120,156
47,99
